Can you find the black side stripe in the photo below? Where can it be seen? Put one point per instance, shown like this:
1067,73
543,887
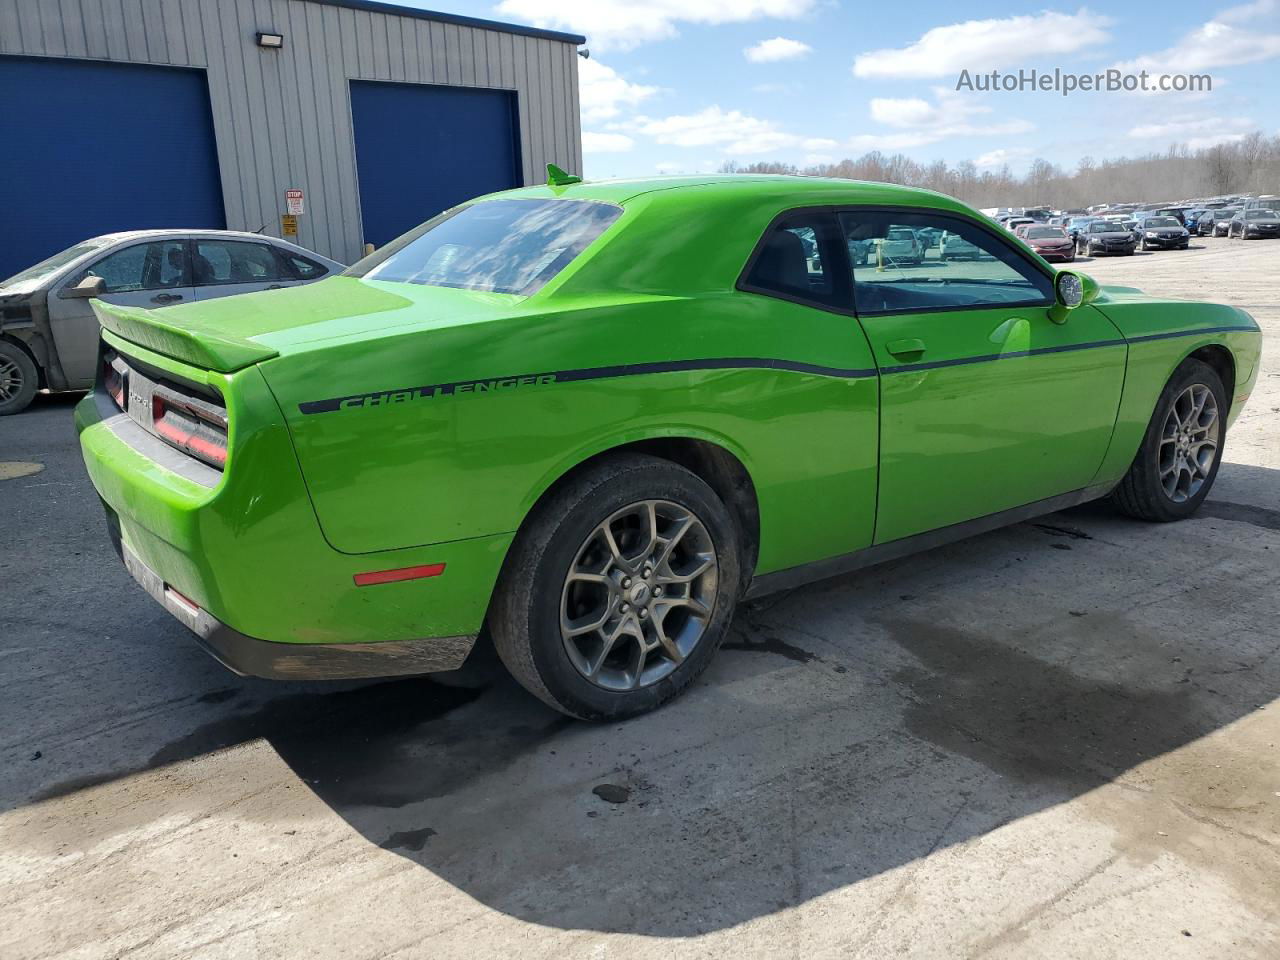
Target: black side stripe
1063,348
402,394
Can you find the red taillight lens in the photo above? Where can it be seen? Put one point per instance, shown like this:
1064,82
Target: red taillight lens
191,425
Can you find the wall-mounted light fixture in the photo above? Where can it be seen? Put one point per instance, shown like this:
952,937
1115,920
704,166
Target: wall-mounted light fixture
584,53
273,40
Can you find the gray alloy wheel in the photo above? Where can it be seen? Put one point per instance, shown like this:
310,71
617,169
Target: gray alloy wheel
619,587
19,379
1189,443
639,595
1178,458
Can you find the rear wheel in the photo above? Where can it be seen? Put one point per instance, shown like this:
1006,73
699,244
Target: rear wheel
18,378
1181,450
618,591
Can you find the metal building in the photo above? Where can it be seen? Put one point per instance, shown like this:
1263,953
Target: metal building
124,114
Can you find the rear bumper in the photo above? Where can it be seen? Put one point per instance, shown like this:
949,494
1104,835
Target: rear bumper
250,657
240,559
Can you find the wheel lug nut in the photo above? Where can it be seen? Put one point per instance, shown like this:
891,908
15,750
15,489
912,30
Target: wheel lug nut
644,612
626,582
657,591
625,608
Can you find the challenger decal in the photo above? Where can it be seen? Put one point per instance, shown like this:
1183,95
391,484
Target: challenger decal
382,398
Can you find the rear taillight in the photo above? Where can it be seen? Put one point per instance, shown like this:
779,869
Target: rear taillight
113,380
190,424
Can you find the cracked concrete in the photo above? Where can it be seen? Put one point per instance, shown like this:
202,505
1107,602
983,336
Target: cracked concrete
1002,749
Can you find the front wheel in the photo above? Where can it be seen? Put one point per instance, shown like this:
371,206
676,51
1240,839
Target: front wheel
619,589
18,378
1181,450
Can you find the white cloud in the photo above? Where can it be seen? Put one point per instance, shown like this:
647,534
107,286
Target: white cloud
625,24
998,158
922,122
1190,126
985,45
779,48
606,142
732,131
1231,38
602,92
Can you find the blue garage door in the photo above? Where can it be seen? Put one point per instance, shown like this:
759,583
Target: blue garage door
92,148
421,149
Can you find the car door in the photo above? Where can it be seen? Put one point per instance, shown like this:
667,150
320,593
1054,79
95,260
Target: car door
986,403
222,267
151,273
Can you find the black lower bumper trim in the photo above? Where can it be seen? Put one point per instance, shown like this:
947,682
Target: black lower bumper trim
250,657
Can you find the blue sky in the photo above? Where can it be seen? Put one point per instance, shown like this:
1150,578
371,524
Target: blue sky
685,85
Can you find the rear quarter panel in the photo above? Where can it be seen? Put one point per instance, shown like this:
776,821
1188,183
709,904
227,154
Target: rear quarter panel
515,403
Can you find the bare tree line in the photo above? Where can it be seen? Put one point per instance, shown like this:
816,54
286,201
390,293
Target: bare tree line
1249,165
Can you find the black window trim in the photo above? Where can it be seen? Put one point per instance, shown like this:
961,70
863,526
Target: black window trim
845,267
285,275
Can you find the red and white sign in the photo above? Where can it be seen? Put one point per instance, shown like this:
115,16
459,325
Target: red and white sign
293,202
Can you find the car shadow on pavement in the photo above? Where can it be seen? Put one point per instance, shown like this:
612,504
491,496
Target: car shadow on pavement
847,729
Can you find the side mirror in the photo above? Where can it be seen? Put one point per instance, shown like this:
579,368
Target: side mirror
90,286
1071,290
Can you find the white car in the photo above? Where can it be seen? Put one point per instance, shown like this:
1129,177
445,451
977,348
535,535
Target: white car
48,333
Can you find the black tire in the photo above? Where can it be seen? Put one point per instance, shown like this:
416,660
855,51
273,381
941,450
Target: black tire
524,617
20,378
1140,493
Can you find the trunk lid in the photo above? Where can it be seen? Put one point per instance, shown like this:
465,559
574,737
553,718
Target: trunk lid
230,333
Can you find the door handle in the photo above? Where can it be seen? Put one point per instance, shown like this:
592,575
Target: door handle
900,348
166,298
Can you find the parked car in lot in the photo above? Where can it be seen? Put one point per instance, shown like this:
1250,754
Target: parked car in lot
1222,221
1105,236
901,246
49,335
1254,223
956,247
1013,223
1050,242
1163,233
1076,225
353,478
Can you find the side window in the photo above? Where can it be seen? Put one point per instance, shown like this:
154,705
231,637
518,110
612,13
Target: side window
301,267
795,260
905,262
143,266
233,261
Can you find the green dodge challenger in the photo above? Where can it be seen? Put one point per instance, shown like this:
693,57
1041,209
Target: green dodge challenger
590,418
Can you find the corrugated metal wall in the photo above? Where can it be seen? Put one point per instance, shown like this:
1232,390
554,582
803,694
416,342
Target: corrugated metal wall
282,118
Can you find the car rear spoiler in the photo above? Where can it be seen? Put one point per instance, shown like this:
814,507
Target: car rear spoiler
212,350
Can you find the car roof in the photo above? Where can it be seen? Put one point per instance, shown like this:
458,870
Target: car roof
126,235
806,189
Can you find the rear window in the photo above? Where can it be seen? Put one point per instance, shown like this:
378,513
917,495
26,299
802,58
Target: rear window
497,246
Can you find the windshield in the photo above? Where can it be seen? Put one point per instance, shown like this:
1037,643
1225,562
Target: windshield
1101,226
32,276
1044,233
1259,214
1163,222
496,246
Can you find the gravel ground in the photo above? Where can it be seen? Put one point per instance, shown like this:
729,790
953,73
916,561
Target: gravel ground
1058,740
